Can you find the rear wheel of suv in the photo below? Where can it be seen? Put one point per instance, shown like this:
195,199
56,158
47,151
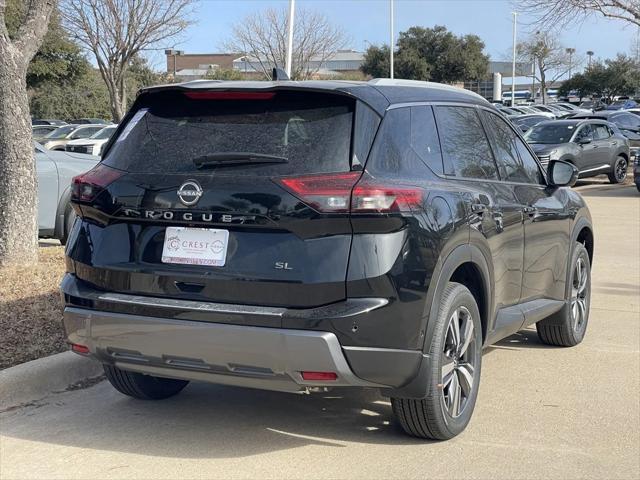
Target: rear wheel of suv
144,387
567,327
456,356
619,171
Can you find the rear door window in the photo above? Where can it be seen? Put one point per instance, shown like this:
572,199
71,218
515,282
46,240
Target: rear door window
600,132
465,147
311,131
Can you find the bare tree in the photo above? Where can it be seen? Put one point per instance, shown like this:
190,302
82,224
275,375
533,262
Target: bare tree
115,31
263,37
552,61
18,181
549,13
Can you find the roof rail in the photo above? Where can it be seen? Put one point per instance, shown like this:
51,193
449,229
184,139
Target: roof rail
398,82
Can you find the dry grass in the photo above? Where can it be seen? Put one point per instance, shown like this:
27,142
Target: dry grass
30,309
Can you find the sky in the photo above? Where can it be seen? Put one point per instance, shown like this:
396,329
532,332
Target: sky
368,21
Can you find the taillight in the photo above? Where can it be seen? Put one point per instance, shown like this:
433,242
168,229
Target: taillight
347,192
330,192
371,197
86,187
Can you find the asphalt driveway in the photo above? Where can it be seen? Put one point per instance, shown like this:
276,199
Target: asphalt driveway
542,411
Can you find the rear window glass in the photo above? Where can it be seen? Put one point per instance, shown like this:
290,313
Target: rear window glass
311,131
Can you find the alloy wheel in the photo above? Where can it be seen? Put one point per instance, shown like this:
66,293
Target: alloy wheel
458,362
579,294
621,170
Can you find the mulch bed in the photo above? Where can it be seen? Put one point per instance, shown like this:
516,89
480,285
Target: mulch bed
30,309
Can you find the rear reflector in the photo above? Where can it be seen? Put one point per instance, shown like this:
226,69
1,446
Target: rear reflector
82,349
322,376
230,95
346,192
86,187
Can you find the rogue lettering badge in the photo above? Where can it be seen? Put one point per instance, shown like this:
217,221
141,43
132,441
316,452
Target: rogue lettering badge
190,192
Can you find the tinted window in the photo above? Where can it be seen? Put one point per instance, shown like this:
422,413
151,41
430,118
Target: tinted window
584,132
367,122
504,148
424,137
530,167
600,132
393,154
464,144
312,131
514,161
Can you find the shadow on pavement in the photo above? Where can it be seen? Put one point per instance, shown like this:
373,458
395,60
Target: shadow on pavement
208,421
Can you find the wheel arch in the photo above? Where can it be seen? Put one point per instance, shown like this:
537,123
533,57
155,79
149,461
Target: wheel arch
466,264
61,212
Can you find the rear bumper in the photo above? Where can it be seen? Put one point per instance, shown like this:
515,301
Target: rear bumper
228,351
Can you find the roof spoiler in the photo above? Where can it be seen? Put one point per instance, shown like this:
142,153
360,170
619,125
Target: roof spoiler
279,74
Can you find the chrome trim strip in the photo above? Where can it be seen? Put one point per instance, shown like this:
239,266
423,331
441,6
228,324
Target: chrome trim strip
601,167
192,305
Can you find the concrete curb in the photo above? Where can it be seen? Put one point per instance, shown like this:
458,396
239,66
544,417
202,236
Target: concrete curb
32,381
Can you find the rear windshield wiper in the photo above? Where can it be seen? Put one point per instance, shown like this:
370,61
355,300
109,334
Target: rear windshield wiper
229,159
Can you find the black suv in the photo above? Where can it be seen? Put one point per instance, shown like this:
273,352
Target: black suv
302,235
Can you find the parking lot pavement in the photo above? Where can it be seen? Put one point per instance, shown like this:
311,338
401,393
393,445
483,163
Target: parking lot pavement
542,411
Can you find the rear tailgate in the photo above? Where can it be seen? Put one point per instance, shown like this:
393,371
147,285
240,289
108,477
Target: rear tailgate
183,161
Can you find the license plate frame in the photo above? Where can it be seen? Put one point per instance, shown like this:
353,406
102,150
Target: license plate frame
195,246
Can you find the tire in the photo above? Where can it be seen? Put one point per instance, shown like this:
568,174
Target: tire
568,327
143,387
618,172
438,416
69,219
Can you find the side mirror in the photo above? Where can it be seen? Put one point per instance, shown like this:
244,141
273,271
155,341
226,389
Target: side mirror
562,174
585,140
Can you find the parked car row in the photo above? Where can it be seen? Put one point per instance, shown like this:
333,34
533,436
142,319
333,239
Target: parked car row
76,121
82,138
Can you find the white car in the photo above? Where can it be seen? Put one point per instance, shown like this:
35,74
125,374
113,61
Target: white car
94,144
55,171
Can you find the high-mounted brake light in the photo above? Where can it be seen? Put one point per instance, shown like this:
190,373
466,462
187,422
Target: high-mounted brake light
230,95
347,192
86,187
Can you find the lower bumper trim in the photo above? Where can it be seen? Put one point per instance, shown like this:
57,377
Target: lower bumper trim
259,357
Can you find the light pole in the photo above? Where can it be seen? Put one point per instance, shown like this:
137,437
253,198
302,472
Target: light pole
391,40
513,66
292,8
589,54
570,51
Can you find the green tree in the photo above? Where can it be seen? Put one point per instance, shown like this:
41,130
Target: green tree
58,59
430,54
451,58
608,79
